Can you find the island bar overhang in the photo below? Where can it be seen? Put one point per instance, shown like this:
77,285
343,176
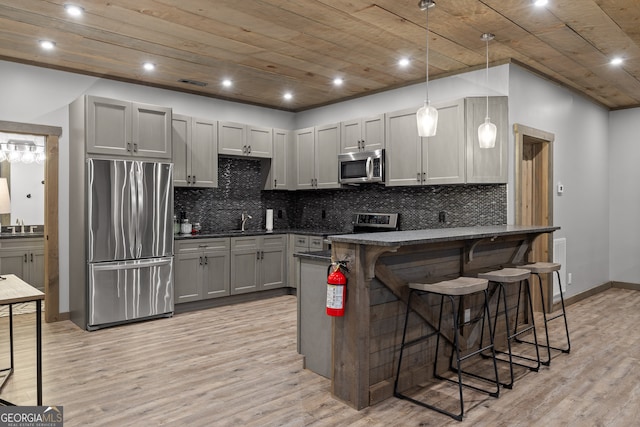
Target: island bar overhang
365,340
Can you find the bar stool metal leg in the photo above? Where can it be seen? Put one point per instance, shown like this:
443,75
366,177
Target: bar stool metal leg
549,319
456,350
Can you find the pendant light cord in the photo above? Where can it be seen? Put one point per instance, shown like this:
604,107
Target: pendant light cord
487,79
427,63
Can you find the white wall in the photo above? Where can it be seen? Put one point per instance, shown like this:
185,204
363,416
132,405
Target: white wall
580,157
624,197
27,193
445,89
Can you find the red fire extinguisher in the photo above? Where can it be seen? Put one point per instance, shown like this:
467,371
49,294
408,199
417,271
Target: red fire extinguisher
336,289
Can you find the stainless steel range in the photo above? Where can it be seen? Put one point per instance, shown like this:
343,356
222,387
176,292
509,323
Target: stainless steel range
373,222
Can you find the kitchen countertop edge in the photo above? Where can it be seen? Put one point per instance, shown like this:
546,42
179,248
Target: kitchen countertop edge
234,233
416,237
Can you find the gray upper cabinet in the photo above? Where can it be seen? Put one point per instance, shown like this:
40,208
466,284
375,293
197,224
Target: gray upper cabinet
326,156
195,152
305,158
128,129
403,155
317,152
364,134
487,165
453,155
259,142
443,154
237,139
281,171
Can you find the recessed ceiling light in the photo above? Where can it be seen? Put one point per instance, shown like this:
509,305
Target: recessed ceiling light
47,44
73,10
404,62
540,3
338,81
227,83
288,96
149,66
617,61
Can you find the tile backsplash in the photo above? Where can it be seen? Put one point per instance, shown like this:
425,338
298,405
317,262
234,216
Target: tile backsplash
239,189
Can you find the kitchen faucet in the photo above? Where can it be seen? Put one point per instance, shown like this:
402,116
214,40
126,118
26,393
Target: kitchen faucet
244,218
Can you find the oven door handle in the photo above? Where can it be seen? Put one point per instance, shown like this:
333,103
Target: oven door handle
369,168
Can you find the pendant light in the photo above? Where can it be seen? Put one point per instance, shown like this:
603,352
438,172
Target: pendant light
427,115
487,130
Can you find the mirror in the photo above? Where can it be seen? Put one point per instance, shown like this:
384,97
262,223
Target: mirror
25,176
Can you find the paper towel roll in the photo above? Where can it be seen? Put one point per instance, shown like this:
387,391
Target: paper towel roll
269,219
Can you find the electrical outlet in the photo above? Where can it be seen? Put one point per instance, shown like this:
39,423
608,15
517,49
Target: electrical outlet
280,213
324,214
467,315
568,278
442,216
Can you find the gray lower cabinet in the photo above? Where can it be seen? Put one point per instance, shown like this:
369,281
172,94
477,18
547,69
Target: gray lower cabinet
257,263
314,326
202,269
300,243
23,257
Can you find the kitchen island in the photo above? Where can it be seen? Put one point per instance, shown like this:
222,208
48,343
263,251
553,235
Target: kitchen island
366,340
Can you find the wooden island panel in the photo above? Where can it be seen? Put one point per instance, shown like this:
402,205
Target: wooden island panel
366,341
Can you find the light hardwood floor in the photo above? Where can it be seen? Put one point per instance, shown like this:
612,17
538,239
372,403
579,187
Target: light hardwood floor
238,366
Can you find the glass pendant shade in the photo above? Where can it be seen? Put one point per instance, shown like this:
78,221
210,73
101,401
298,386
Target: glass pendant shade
427,117
487,134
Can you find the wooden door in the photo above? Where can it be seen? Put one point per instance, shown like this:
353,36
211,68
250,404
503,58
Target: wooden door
534,197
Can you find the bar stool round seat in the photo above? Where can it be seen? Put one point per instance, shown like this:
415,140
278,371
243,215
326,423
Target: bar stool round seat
506,275
458,287
512,276
537,269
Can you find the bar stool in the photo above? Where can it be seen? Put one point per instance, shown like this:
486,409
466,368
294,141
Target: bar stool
502,278
537,269
451,288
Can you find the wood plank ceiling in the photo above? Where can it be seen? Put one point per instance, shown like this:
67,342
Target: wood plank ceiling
269,47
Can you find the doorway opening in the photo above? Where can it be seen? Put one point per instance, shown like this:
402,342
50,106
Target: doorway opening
51,243
534,196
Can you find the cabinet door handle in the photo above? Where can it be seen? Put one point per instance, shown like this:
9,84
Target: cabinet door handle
200,260
275,182
128,146
135,147
244,149
249,149
424,177
31,257
25,257
418,177
258,255
188,179
193,179
206,260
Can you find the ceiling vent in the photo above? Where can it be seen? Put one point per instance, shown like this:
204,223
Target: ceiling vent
193,82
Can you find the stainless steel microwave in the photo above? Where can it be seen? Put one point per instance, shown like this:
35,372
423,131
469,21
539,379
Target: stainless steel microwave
361,167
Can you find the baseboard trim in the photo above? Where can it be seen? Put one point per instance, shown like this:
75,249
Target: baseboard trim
581,296
63,316
232,299
626,285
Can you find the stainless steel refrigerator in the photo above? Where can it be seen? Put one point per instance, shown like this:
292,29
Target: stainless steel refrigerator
129,241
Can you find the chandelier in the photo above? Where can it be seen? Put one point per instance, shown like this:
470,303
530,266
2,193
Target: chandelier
19,149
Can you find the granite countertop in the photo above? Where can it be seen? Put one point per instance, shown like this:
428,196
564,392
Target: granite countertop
25,235
416,237
238,233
